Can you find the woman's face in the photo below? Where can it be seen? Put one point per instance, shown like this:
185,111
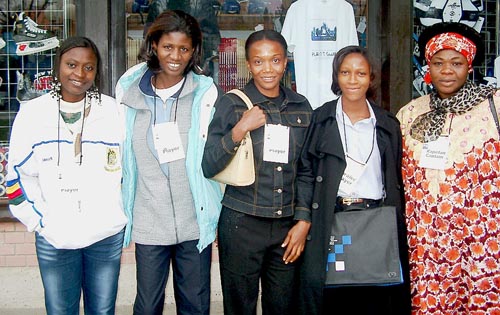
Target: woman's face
77,73
174,51
354,77
267,63
449,71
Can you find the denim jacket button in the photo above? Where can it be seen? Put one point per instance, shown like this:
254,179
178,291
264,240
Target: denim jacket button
319,179
315,205
279,190
279,168
279,212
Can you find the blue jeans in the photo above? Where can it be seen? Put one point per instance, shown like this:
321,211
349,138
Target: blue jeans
191,275
93,269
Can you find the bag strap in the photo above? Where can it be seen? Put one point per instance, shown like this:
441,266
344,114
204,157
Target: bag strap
243,96
494,112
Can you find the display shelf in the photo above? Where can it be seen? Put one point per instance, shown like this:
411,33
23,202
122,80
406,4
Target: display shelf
25,70
245,21
135,21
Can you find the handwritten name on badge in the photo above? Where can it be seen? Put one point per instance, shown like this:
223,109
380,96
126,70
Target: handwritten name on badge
167,141
435,154
276,143
69,190
352,173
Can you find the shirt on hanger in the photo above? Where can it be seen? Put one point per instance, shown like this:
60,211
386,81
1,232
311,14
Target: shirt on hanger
315,30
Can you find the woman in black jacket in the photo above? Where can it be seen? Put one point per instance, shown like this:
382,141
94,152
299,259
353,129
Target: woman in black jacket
349,130
259,238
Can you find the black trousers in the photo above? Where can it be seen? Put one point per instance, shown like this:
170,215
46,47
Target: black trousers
250,250
191,278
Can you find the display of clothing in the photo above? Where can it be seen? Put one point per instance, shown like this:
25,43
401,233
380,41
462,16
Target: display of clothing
435,11
315,30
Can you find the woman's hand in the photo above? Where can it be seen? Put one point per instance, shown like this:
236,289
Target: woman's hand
251,120
295,241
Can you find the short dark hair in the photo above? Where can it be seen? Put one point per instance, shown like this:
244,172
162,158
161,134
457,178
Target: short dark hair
271,35
74,42
173,21
453,27
337,62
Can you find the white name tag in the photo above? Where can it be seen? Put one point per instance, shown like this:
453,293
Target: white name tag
67,186
167,142
435,154
276,143
352,173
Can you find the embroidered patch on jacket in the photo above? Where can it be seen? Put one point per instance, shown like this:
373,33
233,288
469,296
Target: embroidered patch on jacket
112,160
15,193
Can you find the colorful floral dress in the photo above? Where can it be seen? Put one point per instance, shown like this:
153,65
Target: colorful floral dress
453,215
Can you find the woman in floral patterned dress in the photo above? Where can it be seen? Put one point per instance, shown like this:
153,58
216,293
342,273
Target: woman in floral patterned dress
451,172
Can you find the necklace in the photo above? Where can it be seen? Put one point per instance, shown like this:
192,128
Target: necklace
70,118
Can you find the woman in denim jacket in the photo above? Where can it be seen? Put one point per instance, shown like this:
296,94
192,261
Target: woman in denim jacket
259,238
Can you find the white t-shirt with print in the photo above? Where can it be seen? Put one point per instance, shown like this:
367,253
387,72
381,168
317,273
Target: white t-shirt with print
315,30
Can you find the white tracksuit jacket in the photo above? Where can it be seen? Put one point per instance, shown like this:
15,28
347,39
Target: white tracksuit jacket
70,205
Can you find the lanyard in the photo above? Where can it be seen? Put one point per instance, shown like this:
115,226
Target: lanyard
345,141
83,114
177,94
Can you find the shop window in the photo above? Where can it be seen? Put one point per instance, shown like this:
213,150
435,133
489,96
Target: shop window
482,15
225,24
29,33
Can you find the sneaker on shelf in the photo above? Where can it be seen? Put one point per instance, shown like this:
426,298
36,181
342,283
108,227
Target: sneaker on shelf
31,39
25,89
2,43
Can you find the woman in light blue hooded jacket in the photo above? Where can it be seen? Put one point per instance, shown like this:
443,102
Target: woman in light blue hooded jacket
172,207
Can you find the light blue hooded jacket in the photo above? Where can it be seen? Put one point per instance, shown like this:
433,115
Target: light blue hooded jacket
207,194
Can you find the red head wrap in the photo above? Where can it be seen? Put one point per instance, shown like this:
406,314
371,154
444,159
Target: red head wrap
452,41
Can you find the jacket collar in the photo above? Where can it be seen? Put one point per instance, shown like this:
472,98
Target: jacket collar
147,88
134,96
328,111
257,98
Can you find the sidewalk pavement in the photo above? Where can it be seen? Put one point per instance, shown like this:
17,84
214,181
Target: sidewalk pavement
215,309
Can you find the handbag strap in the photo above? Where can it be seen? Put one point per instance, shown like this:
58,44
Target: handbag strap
243,96
494,113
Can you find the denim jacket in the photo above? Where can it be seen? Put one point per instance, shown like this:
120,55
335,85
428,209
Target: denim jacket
272,194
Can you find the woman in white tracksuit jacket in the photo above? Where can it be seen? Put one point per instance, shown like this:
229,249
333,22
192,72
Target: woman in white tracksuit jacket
64,183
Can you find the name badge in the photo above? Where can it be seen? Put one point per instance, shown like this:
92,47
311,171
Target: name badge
435,154
167,142
276,143
67,187
352,173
